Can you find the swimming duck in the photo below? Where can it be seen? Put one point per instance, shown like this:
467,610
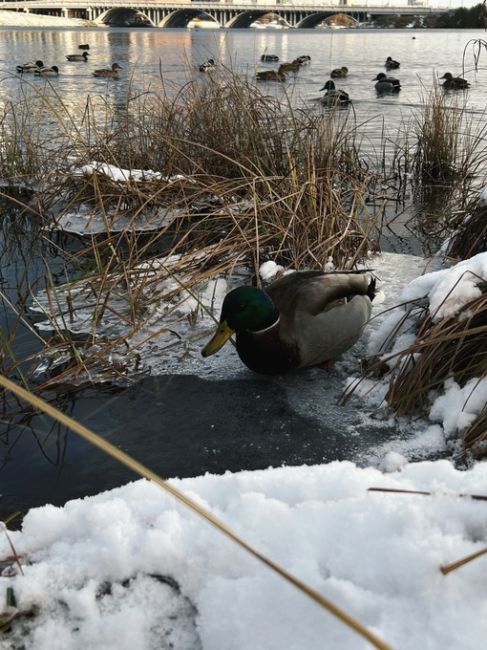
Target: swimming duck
304,319
108,74
30,67
289,67
386,84
391,64
339,73
454,83
52,71
207,65
334,96
270,75
78,57
303,59
83,46
269,58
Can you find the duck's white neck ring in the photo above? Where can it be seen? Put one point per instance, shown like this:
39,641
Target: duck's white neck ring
266,329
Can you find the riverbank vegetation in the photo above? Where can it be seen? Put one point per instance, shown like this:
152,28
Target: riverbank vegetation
459,18
142,210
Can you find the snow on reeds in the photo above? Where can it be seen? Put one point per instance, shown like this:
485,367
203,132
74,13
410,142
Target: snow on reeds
430,353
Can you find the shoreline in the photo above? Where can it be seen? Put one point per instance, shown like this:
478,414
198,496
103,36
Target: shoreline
10,18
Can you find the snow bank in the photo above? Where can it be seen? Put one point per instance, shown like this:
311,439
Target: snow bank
131,568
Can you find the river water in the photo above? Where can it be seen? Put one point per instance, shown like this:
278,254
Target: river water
182,424
176,53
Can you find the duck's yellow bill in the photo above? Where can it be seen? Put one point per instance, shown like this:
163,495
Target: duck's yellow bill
221,336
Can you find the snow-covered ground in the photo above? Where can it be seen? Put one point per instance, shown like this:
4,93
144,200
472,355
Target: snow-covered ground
22,19
132,568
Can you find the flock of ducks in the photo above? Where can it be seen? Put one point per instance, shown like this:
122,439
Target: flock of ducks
384,83
38,68
333,96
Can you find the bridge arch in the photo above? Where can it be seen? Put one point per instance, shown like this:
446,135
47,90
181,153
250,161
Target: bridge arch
124,17
244,19
182,17
312,20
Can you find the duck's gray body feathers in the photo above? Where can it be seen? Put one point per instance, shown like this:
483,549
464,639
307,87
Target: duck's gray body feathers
30,67
78,57
52,71
108,73
321,314
385,84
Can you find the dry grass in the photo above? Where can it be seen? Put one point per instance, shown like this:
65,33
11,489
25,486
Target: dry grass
437,131
240,178
443,156
470,231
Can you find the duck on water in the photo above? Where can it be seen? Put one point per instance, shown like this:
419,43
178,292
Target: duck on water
108,73
454,83
78,57
30,67
385,84
334,96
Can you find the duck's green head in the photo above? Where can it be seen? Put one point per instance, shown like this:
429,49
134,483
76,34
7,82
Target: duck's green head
244,308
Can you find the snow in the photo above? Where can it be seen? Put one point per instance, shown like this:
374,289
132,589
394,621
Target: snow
120,175
451,289
134,568
22,19
458,407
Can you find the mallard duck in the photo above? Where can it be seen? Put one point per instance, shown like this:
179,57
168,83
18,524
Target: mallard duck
83,46
207,65
339,73
78,57
391,64
454,83
303,59
270,75
386,84
52,71
304,319
289,67
269,58
110,73
334,96
30,67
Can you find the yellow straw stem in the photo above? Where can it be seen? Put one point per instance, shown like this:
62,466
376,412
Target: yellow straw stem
143,471
447,568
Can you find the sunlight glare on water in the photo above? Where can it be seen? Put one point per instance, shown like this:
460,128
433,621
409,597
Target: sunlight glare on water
146,54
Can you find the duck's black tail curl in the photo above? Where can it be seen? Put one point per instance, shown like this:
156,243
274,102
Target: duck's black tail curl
371,289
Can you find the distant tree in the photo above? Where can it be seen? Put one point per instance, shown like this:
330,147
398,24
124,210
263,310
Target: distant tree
460,18
385,20
463,18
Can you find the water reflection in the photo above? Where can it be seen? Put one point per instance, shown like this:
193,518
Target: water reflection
41,462
146,54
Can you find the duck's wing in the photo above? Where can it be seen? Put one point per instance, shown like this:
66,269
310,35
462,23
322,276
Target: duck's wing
313,292
322,314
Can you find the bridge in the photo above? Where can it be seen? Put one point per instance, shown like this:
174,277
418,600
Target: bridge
227,13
